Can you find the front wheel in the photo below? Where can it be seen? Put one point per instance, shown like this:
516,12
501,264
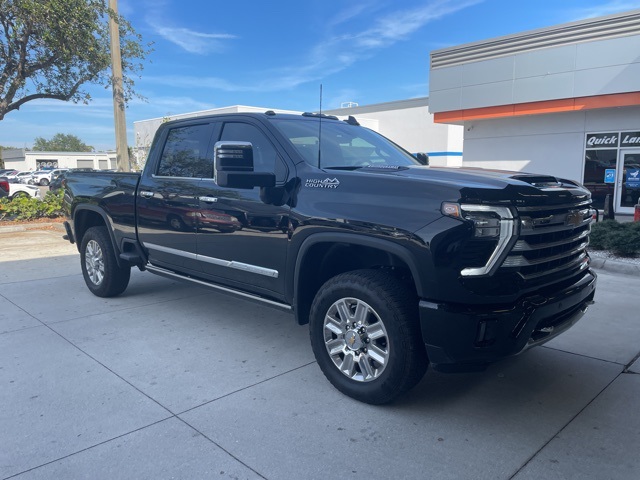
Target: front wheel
100,269
365,335
44,182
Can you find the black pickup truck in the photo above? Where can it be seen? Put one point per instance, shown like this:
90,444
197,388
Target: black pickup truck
394,265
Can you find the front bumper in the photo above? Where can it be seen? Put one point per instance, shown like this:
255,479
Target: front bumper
466,337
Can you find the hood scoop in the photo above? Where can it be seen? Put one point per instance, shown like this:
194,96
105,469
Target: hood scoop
540,181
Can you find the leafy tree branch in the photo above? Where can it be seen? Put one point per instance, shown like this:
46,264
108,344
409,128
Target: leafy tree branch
53,49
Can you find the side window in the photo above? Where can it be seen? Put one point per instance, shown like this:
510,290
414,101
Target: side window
185,153
264,153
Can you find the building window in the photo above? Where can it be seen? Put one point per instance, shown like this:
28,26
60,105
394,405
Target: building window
598,168
40,164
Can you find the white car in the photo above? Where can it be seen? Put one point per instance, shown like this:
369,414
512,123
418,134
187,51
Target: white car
44,177
17,177
17,190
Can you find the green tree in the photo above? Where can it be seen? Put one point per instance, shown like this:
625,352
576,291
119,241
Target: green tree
51,49
61,143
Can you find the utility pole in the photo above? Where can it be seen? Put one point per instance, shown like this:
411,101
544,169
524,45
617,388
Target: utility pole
122,154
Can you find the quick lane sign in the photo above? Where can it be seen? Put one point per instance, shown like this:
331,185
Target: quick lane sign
600,140
630,139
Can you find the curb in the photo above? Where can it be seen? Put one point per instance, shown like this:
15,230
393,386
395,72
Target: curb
31,226
615,266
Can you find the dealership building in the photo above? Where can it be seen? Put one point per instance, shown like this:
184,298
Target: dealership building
24,160
563,100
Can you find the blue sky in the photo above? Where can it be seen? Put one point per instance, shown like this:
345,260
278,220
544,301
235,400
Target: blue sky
277,53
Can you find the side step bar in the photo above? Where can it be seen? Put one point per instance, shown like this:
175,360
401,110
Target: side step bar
247,296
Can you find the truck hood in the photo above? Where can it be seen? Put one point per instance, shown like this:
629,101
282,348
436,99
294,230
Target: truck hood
478,185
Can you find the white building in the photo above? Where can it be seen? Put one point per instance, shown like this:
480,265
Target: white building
24,160
406,122
410,124
563,100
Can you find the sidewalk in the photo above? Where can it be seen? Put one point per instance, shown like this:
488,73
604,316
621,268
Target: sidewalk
172,381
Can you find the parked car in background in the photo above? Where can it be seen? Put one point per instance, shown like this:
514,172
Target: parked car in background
6,171
17,190
17,177
44,177
4,187
56,183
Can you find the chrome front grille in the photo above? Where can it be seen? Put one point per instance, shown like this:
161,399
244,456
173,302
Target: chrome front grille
552,241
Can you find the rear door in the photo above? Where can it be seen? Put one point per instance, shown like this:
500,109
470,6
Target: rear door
167,202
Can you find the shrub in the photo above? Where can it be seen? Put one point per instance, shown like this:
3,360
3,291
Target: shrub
29,208
622,239
600,233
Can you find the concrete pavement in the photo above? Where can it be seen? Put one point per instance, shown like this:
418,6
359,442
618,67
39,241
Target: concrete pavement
173,381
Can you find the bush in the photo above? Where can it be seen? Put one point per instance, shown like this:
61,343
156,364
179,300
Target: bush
29,208
622,239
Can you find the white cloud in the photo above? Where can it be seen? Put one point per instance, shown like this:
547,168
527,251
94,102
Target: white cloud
350,13
608,8
186,81
161,106
191,40
335,53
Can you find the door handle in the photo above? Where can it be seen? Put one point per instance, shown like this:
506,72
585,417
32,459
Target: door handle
146,194
208,199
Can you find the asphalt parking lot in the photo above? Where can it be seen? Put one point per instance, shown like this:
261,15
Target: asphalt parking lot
172,381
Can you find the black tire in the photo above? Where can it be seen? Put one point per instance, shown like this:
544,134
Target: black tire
101,272
20,194
387,330
44,182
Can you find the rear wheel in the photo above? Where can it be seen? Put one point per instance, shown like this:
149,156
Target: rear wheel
100,269
44,182
365,335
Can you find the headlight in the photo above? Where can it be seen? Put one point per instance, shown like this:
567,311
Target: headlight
490,223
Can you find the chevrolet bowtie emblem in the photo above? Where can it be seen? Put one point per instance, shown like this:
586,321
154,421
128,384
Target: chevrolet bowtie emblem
574,218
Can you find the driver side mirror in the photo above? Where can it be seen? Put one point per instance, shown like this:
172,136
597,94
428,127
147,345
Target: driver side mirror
423,158
233,167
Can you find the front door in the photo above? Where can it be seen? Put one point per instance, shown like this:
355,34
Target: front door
628,180
242,233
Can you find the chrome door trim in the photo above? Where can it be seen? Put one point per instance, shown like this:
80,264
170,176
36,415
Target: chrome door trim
245,267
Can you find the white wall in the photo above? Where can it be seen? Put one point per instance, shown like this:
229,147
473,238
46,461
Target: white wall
550,144
545,72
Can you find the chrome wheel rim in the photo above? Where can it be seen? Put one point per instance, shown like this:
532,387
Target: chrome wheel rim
356,339
94,262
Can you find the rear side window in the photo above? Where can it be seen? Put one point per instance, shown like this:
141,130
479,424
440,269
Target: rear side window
186,153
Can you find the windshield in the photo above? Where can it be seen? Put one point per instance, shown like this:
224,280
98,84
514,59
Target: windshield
342,145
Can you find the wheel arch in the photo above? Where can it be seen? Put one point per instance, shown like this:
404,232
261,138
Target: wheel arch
325,255
89,216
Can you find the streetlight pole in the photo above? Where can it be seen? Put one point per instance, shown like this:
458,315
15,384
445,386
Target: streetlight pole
122,154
